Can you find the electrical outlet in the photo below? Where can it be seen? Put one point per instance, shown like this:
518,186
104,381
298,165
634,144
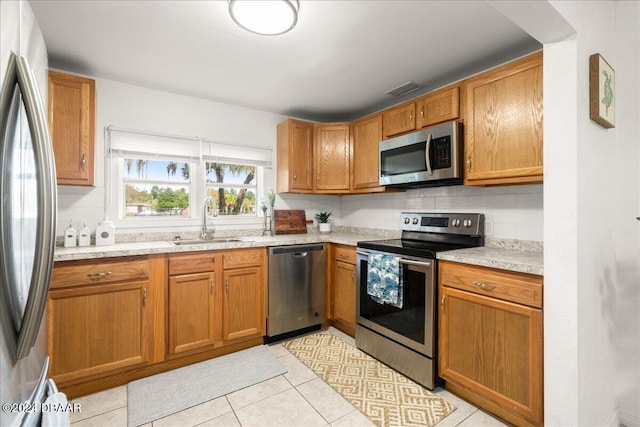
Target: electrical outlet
488,229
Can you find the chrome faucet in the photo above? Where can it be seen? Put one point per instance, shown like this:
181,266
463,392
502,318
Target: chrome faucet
204,234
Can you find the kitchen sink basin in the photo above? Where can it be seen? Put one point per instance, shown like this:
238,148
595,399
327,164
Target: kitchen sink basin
204,241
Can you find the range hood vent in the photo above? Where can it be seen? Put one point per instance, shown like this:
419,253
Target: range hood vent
403,89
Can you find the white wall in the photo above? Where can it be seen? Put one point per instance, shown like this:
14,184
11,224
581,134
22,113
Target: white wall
626,293
135,107
591,237
512,212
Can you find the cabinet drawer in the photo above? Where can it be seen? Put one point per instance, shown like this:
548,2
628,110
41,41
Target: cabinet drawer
191,263
345,254
239,259
506,285
75,273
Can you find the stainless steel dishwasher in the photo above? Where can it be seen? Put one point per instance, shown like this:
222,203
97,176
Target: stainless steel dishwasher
297,288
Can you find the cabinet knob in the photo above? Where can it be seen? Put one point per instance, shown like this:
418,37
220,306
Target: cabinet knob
144,297
295,177
469,164
83,163
226,285
211,286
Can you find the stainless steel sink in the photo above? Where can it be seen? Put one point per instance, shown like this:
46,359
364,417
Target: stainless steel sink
204,241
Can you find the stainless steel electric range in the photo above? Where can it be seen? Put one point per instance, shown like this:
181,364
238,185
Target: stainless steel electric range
396,307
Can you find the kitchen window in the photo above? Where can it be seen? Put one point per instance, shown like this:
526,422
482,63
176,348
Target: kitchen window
159,180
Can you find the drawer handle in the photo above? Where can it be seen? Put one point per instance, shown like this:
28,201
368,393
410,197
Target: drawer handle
344,256
96,276
484,286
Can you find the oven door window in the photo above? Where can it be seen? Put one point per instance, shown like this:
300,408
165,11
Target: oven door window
410,320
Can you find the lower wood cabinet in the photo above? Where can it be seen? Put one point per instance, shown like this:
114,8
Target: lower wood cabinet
243,312
100,320
191,312
114,320
490,343
342,294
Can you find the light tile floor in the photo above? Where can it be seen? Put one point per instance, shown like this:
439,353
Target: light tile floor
297,398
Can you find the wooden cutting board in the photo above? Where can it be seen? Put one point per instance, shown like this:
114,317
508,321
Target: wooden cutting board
290,221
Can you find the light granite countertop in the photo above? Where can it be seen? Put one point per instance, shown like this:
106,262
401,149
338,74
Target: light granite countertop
512,255
522,260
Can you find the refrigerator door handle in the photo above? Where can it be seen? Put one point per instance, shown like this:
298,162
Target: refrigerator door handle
20,74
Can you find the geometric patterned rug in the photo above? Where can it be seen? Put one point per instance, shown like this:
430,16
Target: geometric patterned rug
386,397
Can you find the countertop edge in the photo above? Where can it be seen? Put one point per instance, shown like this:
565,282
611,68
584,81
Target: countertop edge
523,261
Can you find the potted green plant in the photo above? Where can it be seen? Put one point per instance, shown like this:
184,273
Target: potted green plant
323,221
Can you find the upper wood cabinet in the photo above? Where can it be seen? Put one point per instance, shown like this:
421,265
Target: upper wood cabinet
294,157
437,107
332,157
503,127
367,133
72,127
400,119
313,158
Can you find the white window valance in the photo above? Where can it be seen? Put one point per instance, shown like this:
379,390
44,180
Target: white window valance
135,143
225,152
132,143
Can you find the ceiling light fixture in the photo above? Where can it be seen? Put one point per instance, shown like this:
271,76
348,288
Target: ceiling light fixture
265,17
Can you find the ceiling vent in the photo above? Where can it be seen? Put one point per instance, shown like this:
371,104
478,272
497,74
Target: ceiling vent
403,89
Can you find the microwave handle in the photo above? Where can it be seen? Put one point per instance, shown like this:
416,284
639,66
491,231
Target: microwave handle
426,156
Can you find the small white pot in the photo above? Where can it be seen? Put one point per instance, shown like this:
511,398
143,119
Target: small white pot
324,227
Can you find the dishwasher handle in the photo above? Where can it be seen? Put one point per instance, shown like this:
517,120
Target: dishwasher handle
295,249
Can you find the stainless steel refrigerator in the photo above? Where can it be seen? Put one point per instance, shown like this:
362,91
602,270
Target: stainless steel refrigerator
27,215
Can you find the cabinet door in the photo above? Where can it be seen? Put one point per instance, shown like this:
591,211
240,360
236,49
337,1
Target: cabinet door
72,127
343,297
493,349
191,312
99,330
243,303
367,133
438,107
295,157
332,164
503,130
400,119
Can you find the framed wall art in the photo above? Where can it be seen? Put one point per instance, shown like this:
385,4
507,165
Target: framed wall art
602,92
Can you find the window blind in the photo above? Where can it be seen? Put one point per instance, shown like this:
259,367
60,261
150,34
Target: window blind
134,143
223,152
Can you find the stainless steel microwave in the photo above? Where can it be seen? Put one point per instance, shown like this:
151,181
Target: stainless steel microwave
429,157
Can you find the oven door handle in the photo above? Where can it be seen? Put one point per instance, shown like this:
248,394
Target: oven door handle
362,253
412,262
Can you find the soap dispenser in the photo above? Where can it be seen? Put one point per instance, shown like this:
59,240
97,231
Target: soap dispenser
70,236
84,235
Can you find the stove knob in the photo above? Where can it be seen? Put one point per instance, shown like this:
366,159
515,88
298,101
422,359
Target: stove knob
415,221
456,222
467,223
406,220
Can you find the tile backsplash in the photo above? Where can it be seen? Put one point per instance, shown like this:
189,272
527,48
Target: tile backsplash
511,212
